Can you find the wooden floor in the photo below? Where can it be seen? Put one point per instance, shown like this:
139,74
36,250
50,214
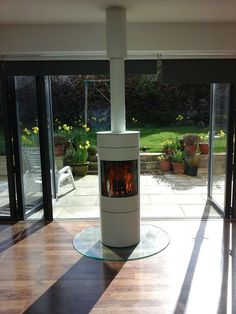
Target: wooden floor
40,272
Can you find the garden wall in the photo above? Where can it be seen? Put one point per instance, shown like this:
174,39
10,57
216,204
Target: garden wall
149,164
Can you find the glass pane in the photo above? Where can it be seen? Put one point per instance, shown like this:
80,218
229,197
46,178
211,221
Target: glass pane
119,178
4,193
221,94
29,141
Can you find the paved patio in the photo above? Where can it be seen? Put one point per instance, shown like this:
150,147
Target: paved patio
162,196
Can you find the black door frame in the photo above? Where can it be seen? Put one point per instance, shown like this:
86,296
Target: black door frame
233,121
10,161
44,104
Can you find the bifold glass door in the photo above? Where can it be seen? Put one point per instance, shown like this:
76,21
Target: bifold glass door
31,156
220,157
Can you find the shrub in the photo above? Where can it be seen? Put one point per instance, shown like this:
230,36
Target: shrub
191,139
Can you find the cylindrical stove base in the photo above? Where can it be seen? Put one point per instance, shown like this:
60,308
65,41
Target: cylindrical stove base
120,229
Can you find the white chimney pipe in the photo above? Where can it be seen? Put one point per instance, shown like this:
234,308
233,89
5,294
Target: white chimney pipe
117,52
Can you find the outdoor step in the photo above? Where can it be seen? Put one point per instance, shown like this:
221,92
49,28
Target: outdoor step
153,172
149,156
143,157
150,165
93,165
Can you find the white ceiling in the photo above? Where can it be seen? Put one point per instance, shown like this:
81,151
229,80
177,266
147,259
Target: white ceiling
93,11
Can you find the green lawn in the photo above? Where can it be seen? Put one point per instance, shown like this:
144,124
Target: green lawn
152,137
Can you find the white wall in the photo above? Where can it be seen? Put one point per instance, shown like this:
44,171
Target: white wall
144,40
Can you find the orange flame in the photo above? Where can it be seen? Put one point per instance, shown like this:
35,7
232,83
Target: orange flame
120,180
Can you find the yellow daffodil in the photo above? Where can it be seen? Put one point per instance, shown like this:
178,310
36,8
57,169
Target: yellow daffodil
35,129
221,133
27,131
179,117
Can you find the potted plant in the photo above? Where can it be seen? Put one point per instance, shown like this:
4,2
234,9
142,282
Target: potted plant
203,145
191,142
62,130
92,153
77,158
177,161
191,164
77,154
59,145
164,161
168,146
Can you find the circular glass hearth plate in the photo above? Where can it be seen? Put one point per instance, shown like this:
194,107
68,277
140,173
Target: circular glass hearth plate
153,240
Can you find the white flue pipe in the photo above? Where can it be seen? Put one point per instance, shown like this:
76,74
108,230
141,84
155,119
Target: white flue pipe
117,52
117,87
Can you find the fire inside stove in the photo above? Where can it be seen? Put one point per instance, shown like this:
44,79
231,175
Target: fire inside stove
119,178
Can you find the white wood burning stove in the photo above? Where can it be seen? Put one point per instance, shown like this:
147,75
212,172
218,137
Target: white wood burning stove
119,188
118,150
119,172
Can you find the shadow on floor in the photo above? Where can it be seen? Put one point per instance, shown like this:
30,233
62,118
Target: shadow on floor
24,232
79,289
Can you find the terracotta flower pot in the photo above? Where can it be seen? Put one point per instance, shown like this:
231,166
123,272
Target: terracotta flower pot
190,149
203,148
66,146
165,165
59,150
178,168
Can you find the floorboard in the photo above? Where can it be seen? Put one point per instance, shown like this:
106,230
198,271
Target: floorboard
40,272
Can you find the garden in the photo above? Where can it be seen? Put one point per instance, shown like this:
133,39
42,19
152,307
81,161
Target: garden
162,113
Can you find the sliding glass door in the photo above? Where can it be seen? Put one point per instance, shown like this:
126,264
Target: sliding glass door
220,157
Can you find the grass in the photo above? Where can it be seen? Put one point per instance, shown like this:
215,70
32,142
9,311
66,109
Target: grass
152,137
